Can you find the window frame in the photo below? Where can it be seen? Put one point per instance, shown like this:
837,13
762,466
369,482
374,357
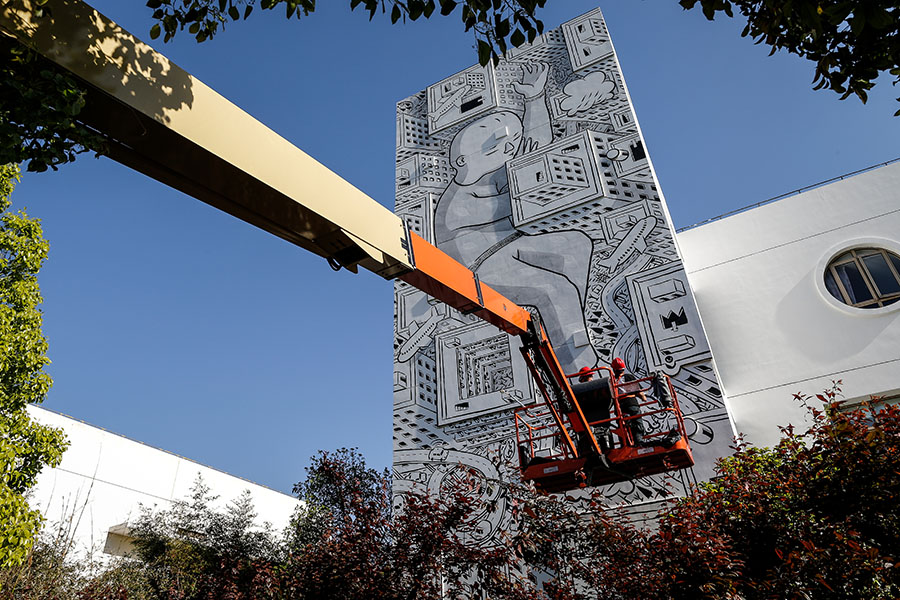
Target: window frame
871,402
857,254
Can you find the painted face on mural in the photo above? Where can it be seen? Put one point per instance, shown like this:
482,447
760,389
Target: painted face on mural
485,145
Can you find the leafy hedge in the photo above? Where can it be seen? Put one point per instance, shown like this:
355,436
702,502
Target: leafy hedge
813,517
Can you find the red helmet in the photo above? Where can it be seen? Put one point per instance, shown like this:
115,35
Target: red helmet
585,374
618,364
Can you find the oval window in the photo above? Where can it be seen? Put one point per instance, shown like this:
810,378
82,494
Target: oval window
864,277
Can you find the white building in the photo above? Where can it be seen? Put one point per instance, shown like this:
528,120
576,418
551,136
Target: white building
775,329
105,480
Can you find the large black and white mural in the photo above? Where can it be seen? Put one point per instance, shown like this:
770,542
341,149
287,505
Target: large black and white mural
533,174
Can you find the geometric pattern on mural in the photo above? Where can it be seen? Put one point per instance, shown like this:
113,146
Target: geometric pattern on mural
534,175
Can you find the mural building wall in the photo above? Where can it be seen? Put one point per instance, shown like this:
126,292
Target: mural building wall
534,174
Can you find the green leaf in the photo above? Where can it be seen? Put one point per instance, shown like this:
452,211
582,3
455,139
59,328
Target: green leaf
502,28
155,31
415,8
484,52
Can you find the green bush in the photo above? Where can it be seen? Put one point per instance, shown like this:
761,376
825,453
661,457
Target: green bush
814,517
25,446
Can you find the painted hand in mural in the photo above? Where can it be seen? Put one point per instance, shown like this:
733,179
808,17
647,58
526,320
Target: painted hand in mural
530,145
536,120
534,79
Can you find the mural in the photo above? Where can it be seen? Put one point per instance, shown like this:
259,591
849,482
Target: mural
534,174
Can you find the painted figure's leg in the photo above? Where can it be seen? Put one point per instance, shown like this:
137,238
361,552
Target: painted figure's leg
555,297
567,253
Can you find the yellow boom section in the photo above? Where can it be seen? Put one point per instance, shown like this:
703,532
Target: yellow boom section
164,122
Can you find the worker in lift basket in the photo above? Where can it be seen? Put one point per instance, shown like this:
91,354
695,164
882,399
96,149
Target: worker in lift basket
630,400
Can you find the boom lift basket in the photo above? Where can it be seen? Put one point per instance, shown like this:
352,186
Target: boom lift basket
605,449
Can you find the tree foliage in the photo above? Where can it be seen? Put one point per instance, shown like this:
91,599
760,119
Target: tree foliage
349,539
195,551
39,107
851,42
25,446
497,24
817,514
353,539
813,517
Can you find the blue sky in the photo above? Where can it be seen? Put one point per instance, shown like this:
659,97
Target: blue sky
179,326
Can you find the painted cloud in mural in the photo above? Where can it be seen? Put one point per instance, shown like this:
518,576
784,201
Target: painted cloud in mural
584,93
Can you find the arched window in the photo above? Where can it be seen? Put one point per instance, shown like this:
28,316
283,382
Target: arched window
864,277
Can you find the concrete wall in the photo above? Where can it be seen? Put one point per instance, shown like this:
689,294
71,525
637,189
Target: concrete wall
773,327
534,174
105,479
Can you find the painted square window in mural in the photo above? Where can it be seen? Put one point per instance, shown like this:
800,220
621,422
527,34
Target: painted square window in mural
484,366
